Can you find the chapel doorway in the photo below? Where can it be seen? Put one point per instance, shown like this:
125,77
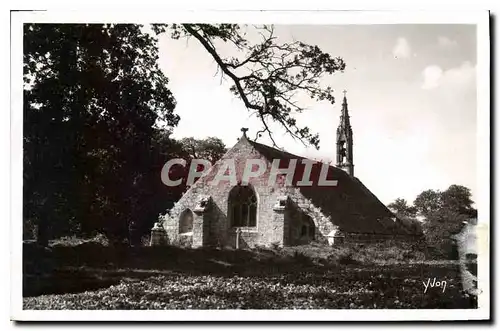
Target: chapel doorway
186,222
307,229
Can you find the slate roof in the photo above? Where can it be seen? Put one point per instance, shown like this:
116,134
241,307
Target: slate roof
351,205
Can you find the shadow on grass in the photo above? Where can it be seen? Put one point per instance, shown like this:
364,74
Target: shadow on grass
89,266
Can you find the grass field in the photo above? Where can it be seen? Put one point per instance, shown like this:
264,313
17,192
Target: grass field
93,276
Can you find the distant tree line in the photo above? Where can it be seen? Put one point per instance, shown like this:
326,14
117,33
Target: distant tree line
442,214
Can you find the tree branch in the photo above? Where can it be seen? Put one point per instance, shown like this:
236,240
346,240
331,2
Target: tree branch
276,73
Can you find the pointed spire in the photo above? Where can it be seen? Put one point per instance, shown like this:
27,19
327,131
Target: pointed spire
345,140
345,112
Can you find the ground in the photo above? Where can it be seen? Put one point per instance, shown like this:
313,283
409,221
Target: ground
93,276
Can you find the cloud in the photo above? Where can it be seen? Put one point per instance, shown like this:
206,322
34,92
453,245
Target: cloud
446,42
434,76
402,49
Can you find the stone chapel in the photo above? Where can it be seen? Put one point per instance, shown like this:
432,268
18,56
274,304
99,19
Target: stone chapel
239,214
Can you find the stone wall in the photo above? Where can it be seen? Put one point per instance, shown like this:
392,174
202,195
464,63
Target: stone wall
214,221
323,223
296,219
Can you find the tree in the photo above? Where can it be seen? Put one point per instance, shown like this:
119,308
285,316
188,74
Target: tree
152,195
401,208
459,199
456,198
428,201
266,75
211,148
445,213
92,95
407,214
439,227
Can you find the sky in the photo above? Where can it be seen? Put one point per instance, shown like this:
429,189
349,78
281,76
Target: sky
411,91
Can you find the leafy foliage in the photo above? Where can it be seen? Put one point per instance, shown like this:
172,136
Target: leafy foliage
439,228
445,214
401,208
92,95
427,202
459,199
407,214
211,148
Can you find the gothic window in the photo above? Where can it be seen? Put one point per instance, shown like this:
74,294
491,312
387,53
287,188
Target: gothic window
243,206
186,221
307,229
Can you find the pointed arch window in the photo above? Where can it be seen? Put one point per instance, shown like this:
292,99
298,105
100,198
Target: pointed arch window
243,206
308,228
186,221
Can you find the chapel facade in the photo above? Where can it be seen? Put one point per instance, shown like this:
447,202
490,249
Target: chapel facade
279,207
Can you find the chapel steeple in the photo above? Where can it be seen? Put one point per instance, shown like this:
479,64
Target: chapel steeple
345,140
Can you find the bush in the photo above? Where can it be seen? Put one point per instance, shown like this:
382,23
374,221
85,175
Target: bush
396,251
301,257
145,240
346,258
29,229
98,239
275,246
443,249
341,255
381,252
439,228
